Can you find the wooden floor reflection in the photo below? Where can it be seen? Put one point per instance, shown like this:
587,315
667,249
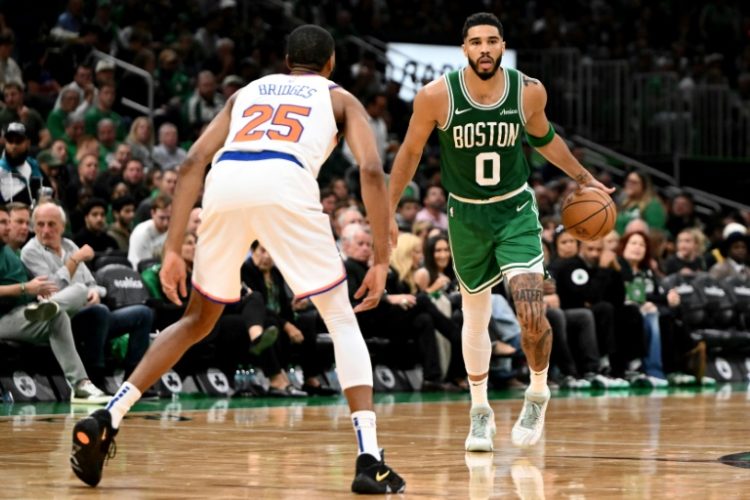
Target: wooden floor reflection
598,447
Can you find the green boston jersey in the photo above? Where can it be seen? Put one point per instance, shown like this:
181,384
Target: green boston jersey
480,145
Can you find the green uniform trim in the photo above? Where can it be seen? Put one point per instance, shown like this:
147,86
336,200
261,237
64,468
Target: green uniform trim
539,142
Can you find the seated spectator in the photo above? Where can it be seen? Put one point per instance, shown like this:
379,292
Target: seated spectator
56,119
393,318
88,167
328,202
166,188
9,70
434,208
21,177
147,239
74,132
18,231
53,168
168,154
205,103
643,289
261,276
640,202
230,85
577,353
407,213
134,177
16,111
94,233
49,254
40,325
141,140
106,181
734,251
682,214
688,259
102,108
611,241
83,84
123,212
106,134
345,217
239,334
593,279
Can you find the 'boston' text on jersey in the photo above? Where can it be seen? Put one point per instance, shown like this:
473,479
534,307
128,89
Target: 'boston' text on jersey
499,134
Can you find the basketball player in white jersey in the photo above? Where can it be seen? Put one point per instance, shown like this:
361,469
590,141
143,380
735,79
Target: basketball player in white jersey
266,147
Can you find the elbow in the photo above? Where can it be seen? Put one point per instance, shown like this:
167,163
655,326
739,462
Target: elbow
371,170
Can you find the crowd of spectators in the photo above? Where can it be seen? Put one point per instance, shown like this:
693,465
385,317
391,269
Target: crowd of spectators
87,181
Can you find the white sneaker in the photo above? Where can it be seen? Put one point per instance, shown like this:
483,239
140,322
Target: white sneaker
657,382
86,392
482,429
529,427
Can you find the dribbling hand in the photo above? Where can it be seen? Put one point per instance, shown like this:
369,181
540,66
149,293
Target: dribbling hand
373,285
598,185
172,276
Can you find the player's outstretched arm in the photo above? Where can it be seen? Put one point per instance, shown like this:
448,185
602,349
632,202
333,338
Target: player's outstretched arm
189,183
361,140
554,150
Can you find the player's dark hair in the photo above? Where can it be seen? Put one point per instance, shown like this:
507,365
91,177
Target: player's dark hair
310,46
481,18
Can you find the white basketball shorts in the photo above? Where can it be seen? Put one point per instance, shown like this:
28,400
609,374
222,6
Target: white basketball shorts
276,201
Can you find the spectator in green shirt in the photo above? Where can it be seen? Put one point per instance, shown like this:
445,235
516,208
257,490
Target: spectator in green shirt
101,109
640,202
56,120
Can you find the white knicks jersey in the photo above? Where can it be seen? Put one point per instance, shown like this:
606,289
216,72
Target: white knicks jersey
285,114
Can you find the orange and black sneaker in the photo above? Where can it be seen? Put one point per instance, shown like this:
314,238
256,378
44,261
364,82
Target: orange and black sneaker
374,477
93,443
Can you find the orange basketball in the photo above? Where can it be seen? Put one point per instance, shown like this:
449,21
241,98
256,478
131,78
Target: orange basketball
588,214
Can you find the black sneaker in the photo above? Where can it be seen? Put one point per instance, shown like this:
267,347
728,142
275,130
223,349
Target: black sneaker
373,477
92,438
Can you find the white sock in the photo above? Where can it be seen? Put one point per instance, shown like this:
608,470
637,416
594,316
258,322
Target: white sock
367,436
125,397
478,390
538,380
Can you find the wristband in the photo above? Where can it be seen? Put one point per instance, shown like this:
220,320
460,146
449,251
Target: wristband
23,288
539,142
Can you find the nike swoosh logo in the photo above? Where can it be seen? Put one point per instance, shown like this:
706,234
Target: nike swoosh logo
520,207
461,111
379,477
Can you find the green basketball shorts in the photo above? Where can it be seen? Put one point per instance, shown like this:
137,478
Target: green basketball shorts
494,238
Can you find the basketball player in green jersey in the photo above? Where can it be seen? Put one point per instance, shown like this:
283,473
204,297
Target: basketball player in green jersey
481,112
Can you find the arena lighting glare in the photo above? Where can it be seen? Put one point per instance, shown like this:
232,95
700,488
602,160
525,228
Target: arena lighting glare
413,64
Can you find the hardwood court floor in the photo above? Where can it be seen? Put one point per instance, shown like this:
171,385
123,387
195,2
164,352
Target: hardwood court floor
664,445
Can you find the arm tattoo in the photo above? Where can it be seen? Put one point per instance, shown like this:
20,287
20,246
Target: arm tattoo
529,81
582,178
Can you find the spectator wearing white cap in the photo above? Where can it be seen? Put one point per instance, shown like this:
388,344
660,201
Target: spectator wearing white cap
20,176
733,249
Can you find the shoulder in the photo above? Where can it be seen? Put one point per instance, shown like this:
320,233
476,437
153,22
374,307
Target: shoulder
533,90
434,93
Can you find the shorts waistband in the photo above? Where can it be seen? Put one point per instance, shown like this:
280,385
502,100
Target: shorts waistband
258,155
494,199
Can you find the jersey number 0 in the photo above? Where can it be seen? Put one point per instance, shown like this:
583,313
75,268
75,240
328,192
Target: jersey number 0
282,116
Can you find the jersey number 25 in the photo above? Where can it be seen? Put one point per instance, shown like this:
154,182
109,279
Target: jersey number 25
282,116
